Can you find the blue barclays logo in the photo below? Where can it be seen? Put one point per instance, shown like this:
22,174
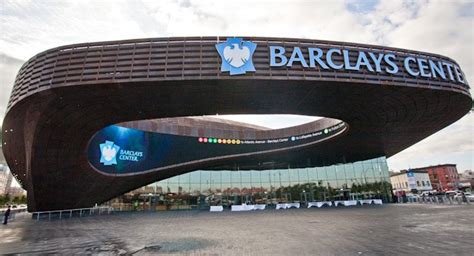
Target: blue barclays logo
108,151
236,56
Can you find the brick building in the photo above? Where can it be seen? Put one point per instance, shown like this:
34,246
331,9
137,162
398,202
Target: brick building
443,177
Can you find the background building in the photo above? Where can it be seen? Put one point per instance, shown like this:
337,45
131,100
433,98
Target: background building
413,180
466,180
6,178
16,192
443,177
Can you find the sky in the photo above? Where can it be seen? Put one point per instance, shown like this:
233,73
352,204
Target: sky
444,27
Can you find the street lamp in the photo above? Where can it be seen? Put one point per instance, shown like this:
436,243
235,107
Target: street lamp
150,195
364,172
365,176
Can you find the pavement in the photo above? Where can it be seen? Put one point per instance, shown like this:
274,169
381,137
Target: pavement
408,229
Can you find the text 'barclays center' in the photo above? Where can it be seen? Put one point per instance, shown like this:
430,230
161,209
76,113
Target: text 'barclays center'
89,122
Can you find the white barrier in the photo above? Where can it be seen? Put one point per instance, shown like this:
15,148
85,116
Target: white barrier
218,208
240,208
378,201
371,201
247,207
319,204
250,207
350,203
346,203
287,206
366,201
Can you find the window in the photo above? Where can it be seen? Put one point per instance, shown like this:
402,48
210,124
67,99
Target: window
423,182
418,183
253,183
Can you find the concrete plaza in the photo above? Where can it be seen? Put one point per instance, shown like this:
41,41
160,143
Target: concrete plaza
410,229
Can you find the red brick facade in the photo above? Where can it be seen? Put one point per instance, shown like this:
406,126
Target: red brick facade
442,177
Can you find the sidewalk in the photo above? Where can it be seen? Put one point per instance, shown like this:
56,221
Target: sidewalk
405,229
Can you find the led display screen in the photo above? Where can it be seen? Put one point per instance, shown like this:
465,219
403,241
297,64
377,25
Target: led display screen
120,150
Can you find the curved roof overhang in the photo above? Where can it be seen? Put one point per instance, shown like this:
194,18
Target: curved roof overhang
64,96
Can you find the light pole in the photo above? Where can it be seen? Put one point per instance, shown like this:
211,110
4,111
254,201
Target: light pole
384,188
365,177
279,174
304,196
364,172
150,196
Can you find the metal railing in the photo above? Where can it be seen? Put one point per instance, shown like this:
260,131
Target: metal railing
439,200
15,213
69,213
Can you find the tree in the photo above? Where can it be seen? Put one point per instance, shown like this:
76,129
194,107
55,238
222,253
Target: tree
16,200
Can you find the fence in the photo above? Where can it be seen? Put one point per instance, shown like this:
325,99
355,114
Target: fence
69,213
15,213
439,200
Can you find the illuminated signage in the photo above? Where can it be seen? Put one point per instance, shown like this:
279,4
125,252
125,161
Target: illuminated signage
116,149
130,155
236,56
121,150
109,151
370,61
336,127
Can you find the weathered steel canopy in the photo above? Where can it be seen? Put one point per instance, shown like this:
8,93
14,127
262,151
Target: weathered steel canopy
62,97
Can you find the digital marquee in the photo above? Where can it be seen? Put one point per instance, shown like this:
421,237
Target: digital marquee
121,150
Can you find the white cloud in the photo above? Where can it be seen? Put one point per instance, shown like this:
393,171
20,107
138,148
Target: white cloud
443,27
445,146
438,27
271,121
8,68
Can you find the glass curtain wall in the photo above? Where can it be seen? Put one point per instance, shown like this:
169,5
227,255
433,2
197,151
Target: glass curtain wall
200,189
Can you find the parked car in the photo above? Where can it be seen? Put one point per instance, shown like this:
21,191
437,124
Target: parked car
452,192
468,195
428,193
412,196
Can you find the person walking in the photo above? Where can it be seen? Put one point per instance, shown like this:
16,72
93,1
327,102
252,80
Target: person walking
7,214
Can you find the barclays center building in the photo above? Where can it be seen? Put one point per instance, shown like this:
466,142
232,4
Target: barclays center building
128,122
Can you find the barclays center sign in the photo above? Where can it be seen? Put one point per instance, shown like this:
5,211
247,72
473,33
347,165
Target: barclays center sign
237,58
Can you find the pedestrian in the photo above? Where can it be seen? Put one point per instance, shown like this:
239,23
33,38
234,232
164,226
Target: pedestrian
7,214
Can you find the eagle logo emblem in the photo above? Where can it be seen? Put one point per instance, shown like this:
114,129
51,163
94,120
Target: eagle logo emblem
108,151
236,56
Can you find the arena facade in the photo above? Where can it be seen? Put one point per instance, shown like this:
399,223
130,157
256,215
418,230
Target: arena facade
89,122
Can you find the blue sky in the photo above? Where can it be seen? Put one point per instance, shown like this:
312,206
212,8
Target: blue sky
444,27
364,7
